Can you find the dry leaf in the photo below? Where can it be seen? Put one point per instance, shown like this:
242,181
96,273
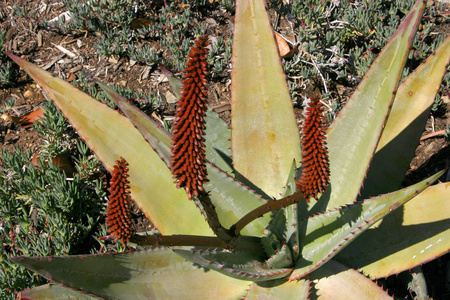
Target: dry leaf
62,161
140,23
283,47
28,120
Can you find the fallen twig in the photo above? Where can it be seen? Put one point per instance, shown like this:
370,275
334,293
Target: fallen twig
433,134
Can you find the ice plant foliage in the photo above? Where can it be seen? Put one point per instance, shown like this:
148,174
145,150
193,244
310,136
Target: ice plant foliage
316,166
118,209
188,153
292,245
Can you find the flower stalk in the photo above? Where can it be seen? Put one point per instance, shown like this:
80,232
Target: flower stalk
188,154
118,210
316,166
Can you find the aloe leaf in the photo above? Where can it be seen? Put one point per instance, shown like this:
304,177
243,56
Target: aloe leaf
405,124
111,135
265,136
53,292
408,237
354,134
174,82
233,200
148,274
156,136
237,264
217,142
279,290
328,233
336,281
293,212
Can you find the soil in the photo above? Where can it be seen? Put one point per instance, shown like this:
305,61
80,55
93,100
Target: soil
26,39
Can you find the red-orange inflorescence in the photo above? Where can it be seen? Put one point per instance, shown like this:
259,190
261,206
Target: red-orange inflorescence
188,160
315,162
118,209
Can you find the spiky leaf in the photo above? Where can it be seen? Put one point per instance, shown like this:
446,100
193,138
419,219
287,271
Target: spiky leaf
336,281
53,292
410,236
237,264
279,290
148,274
328,233
283,229
361,120
233,200
405,124
265,137
157,137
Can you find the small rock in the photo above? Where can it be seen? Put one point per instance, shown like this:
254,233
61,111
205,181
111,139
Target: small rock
28,94
122,83
170,98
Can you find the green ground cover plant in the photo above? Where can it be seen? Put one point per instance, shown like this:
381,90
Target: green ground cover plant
6,69
336,40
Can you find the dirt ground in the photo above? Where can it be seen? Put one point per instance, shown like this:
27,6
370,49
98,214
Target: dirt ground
26,39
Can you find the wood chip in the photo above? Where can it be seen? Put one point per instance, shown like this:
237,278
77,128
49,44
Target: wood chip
222,107
145,73
64,16
65,51
76,69
39,38
154,115
52,62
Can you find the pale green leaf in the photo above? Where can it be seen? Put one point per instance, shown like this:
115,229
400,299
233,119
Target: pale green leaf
354,134
232,201
412,235
237,264
53,292
405,124
328,233
148,274
265,137
279,290
335,281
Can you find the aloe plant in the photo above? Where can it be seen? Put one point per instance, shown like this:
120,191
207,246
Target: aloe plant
261,237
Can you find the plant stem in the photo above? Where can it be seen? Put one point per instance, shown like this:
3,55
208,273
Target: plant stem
263,209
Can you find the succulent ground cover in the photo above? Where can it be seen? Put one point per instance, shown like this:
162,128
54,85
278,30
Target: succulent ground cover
433,152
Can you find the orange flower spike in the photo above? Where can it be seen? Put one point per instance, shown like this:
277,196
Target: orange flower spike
188,159
118,209
316,168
